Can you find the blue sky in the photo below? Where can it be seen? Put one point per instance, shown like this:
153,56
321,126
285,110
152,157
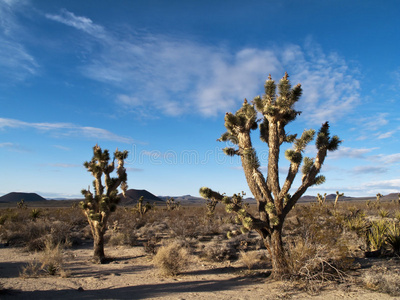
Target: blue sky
156,78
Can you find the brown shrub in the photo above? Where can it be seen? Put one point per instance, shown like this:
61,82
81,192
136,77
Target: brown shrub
172,258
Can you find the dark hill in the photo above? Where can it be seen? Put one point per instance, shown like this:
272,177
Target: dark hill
16,197
132,196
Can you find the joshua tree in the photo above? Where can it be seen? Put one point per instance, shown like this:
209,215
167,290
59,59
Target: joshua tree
338,195
99,205
171,204
321,199
378,198
142,208
210,205
21,204
273,200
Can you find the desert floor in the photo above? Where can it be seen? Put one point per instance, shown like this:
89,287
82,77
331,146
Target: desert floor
131,275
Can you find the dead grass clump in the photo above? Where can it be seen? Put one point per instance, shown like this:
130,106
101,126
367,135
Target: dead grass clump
250,258
383,280
49,263
183,224
150,246
219,250
172,258
121,235
318,247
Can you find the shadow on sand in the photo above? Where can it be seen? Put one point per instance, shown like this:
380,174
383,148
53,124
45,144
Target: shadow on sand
141,291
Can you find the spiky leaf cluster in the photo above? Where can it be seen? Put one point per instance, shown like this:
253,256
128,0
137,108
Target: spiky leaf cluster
279,104
325,141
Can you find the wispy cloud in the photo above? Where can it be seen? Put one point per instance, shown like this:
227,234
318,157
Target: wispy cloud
330,87
16,62
81,23
371,127
392,185
177,76
362,170
13,147
371,188
347,152
66,129
63,165
389,159
62,147
386,135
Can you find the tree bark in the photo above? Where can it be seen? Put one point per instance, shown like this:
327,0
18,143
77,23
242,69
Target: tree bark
279,262
98,246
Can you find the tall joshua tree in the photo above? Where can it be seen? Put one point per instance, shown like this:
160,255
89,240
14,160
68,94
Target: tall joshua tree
273,200
99,205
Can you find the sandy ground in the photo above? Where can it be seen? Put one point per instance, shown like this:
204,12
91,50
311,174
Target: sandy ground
131,275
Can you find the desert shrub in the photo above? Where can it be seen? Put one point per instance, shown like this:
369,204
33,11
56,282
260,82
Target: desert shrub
318,247
383,280
31,269
150,246
52,258
250,258
182,223
35,213
357,222
33,233
376,235
393,238
49,263
172,258
219,249
383,213
3,219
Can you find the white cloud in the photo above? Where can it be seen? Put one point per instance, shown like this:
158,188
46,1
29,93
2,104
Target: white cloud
389,159
16,62
13,147
362,170
347,152
81,23
66,129
62,147
371,188
386,135
330,89
177,76
392,184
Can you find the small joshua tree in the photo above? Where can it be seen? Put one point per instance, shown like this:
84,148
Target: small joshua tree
21,204
273,200
172,205
321,199
210,205
142,208
338,195
378,198
99,205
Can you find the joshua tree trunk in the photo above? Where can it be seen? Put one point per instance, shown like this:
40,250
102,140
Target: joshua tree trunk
98,246
278,255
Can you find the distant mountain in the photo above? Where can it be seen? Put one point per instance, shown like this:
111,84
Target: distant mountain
132,196
185,199
16,197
